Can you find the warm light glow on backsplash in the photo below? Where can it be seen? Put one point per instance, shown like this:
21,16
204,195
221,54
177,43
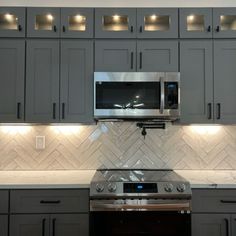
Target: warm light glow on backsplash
15,129
67,130
205,129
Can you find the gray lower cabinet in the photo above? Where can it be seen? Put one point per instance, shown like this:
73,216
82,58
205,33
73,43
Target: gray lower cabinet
42,81
115,55
157,55
12,64
4,225
70,225
196,69
211,224
76,87
28,225
225,81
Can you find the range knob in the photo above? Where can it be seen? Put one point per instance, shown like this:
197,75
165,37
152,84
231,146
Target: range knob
111,187
169,187
99,188
181,188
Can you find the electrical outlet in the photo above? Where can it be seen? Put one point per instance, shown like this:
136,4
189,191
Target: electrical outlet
40,142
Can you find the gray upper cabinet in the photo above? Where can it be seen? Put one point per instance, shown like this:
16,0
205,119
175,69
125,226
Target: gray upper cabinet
12,22
211,224
12,64
3,225
77,22
115,55
224,21
196,69
42,81
43,22
157,23
115,23
153,56
195,22
225,81
76,81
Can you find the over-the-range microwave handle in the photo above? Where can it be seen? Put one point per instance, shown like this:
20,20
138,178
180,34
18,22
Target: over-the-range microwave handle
162,83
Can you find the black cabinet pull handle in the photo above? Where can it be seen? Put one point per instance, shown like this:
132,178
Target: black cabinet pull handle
19,27
218,111
50,202
227,226
209,28
140,60
140,29
53,226
63,28
131,29
63,110
54,110
132,60
228,201
54,28
209,111
18,110
43,226
218,28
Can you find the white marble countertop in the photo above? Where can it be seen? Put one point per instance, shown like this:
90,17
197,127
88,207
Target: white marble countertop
45,179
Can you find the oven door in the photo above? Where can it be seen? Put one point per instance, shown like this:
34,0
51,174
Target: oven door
140,217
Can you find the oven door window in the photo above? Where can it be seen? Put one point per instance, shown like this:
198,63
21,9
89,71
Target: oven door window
171,95
128,95
140,223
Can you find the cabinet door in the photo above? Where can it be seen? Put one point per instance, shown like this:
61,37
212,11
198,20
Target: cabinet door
72,225
225,81
224,21
115,56
157,22
157,56
43,22
77,81
195,23
196,72
115,23
12,22
211,224
233,223
29,225
42,81
12,66
77,22
3,225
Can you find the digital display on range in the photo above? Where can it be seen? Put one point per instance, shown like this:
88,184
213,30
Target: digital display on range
140,188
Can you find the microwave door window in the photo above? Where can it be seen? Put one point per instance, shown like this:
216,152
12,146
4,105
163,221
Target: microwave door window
127,95
171,95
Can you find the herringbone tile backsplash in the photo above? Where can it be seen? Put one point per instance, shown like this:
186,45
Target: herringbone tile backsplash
117,145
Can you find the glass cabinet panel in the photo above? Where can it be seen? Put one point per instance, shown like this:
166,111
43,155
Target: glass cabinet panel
156,23
77,23
116,23
44,22
228,22
8,22
195,23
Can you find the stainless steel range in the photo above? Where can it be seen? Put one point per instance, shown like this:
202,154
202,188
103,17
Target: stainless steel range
140,202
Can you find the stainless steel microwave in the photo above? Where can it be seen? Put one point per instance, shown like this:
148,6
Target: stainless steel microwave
136,95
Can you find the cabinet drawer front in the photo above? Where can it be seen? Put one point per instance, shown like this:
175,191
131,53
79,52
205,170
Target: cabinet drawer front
4,201
209,200
49,201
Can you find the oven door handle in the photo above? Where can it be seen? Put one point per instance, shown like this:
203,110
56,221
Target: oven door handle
162,83
141,207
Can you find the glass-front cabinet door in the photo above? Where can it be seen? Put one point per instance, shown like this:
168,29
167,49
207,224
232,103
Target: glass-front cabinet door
115,23
195,23
12,22
77,22
224,20
157,23
43,22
